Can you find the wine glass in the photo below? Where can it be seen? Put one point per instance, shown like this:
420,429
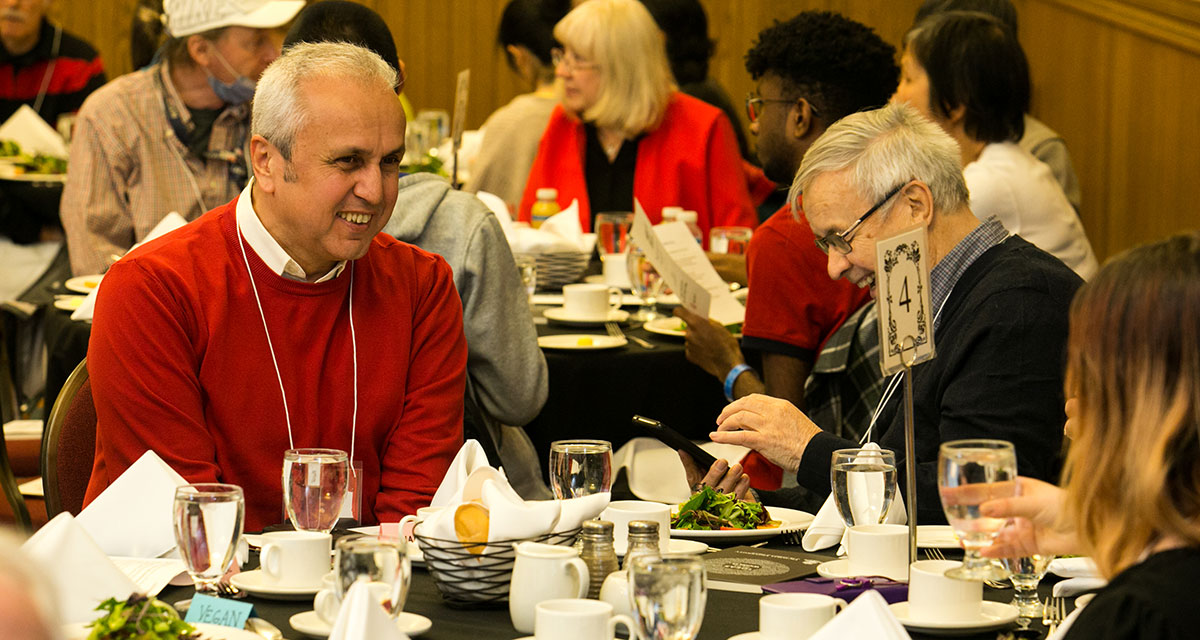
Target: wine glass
580,468
1026,572
314,485
208,524
864,484
668,594
644,281
381,562
971,472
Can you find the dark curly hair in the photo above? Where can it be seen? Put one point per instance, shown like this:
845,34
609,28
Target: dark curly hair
838,65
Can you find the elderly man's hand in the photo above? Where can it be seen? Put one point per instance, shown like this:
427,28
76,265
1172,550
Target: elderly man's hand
721,476
709,345
771,426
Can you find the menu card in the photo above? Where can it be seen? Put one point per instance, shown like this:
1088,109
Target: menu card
685,268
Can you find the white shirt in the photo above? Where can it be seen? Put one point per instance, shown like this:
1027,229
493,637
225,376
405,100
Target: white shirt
265,245
1010,184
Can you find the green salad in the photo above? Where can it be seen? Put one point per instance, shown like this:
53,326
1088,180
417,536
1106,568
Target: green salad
712,510
139,618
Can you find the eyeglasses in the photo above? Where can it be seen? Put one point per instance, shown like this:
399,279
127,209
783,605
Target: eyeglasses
841,241
754,105
573,63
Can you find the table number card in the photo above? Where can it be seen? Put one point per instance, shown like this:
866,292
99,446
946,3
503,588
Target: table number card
902,295
458,123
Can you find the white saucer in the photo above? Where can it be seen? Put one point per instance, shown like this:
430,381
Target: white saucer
839,568
580,341
994,615
69,303
253,583
560,315
311,624
676,546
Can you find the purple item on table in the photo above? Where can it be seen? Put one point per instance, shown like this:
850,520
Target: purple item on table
845,588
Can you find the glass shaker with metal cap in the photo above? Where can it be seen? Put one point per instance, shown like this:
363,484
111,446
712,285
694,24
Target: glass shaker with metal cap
643,541
596,550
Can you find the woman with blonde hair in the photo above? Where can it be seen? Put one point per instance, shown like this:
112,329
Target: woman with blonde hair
1131,488
623,131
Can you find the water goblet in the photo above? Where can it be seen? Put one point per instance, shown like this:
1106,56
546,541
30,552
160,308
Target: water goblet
668,594
645,282
314,486
1026,572
208,525
612,231
382,562
580,468
971,472
864,484
731,240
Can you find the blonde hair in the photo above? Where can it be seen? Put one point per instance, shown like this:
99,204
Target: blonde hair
621,37
1133,471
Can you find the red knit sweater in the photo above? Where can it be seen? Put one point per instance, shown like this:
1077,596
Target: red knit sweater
179,364
691,160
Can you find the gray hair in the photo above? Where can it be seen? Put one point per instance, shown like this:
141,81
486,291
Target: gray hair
886,147
279,111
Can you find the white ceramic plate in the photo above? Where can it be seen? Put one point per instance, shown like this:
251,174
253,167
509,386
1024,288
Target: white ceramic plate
666,327
839,568
83,284
560,315
993,615
252,582
936,536
790,520
311,624
68,303
581,341
679,546
207,631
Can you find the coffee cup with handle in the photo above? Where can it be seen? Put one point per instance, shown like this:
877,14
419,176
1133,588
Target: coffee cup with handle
621,512
590,301
795,616
933,596
295,558
878,550
579,619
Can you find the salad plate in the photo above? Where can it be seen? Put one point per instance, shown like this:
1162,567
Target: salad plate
673,327
790,520
80,631
83,284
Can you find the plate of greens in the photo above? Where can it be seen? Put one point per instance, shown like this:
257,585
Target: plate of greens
142,618
711,515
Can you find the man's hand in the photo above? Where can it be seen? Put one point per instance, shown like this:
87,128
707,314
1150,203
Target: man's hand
708,345
730,266
771,426
721,476
1038,526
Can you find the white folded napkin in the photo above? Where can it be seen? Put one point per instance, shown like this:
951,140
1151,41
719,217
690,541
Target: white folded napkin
1080,567
132,517
362,616
655,472
576,510
169,223
828,528
560,232
867,617
469,458
34,134
1075,586
79,570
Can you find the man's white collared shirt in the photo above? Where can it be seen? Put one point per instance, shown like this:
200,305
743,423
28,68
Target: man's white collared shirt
269,249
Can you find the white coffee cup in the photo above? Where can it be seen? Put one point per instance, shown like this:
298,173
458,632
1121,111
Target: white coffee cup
621,512
295,558
543,572
878,550
933,596
795,616
327,603
590,301
578,619
409,522
615,272
615,591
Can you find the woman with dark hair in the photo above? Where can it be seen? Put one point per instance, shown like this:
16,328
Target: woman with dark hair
1131,486
967,72
511,133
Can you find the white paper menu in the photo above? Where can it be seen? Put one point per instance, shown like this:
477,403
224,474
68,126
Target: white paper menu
681,262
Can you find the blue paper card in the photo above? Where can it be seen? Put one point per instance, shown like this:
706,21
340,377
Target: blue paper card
219,611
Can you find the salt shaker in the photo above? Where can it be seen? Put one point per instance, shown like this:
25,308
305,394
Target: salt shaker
596,550
643,541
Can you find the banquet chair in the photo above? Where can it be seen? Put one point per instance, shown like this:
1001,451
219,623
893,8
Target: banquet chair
69,445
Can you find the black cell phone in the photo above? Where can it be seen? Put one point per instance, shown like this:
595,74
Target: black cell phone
675,440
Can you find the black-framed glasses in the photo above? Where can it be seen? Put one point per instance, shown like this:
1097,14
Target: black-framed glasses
841,241
559,56
754,105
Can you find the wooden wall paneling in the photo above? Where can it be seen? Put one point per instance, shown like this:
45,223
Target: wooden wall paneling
103,23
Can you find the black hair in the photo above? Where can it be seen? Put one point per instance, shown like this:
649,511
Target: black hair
974,61
530,24
341,21
1002,10
840,66
688,46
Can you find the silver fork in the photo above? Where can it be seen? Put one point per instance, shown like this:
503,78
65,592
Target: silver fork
936,554
1052,614
615,331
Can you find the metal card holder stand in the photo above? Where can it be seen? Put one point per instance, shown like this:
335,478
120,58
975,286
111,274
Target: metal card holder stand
910,446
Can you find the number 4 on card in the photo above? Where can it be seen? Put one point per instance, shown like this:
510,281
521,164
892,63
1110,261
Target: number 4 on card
902,295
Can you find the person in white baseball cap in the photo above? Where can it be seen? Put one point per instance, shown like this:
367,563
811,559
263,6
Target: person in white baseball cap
173,136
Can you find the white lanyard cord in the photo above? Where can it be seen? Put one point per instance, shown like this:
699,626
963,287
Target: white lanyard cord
893,384
54,49
354,361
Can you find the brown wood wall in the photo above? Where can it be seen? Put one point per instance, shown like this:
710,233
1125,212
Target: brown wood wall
1117,78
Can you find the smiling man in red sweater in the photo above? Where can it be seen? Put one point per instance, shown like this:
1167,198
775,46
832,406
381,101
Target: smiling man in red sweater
284,319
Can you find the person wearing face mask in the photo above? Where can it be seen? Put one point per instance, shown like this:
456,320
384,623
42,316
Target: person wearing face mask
173,136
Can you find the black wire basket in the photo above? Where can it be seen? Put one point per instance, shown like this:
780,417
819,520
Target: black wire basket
477,575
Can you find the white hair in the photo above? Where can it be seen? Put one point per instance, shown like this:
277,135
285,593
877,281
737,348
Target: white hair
884,148
279,111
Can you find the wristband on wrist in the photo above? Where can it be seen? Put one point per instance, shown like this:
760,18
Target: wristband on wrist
732,377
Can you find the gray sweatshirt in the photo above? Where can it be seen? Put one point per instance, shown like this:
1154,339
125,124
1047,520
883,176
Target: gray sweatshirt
504,363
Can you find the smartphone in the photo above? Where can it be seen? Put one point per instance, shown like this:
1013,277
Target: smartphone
672,438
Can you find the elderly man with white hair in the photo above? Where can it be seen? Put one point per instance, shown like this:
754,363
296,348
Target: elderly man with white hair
1000,309
284,319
